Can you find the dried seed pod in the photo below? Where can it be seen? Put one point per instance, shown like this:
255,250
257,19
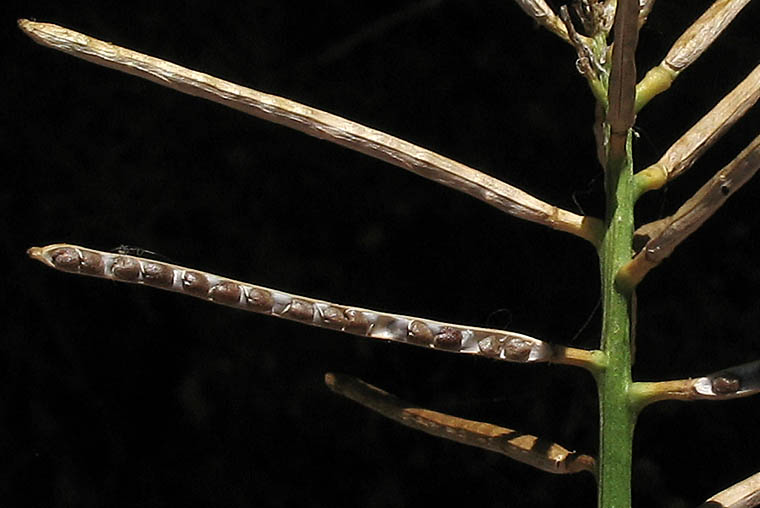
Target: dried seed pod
195,283
226,292
378,325
356,322
334,317
300,310
91,263
419,333
259,300
157,274
526,448
448,338
725,384
66,259
126,269
702,33
318,123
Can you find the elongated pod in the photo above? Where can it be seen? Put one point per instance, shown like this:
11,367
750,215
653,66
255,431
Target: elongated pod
320,124
539,453
690,46
497,344
669,234
731,383
744,494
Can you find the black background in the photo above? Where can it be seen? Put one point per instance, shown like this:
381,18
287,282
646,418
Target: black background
117,395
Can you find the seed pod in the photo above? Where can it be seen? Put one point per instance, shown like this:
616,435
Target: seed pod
373,324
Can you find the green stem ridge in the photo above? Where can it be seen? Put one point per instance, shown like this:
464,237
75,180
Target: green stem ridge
617,418
616,415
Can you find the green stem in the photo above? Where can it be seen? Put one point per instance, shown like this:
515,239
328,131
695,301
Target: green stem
656,81
617,419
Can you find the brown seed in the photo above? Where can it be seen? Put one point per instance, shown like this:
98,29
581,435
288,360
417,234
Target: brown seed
158,274
356,322
195,283
66,259
419,333
125,268
91,263
491,345
448,338
300,310
226,292
517,350
728,383
260,300
334,317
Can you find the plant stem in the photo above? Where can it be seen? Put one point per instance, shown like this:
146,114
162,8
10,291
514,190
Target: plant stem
616,416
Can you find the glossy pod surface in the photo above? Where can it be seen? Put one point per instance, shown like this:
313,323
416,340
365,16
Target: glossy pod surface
497,344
